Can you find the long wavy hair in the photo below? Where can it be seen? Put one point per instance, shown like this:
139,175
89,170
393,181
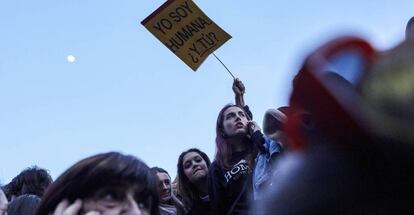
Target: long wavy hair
187,190
223,147
103,171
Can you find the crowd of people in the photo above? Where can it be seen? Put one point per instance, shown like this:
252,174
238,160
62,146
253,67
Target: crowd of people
113,183
344,145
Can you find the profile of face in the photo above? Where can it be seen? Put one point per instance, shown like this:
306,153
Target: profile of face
195,167
112,201
164,187
234,121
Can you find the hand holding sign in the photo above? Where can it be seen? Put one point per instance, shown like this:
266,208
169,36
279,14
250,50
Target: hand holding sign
238,87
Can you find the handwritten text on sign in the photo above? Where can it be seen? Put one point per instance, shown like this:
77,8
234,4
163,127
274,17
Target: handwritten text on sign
186,31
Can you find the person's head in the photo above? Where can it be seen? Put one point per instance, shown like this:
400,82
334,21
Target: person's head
273,122
231,123
110,183
409,30
33,180
193,166
164,184
24,204
192,169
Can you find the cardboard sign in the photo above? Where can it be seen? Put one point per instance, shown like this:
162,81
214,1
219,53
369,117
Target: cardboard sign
184,29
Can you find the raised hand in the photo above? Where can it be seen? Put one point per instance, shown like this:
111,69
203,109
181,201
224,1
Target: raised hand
253,127
238,87
64,208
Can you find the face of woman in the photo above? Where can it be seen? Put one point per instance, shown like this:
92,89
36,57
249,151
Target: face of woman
164,187
235,122
195,167
109,202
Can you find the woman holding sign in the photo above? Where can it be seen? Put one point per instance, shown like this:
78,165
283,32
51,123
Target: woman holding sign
238,139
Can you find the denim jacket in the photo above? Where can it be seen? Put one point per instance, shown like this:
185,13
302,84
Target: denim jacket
263,171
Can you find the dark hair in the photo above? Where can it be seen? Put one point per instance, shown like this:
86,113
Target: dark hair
284,109
173,200
156,170
107,170
409,30
223,147
186,189
33,180
24,204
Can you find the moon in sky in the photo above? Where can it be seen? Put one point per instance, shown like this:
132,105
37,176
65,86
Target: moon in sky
71,58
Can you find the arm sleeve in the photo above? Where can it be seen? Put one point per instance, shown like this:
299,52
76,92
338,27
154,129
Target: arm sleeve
259,141
248,112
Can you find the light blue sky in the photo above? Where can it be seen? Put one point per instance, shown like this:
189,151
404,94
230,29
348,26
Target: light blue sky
127,92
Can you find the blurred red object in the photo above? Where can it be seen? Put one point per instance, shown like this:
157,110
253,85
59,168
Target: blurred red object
326,89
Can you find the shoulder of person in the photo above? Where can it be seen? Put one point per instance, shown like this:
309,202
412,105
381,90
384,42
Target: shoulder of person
214,167
272,146
215,171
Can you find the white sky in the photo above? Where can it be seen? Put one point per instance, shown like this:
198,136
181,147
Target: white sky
127,92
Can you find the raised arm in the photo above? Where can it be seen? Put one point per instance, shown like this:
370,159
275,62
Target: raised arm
239,90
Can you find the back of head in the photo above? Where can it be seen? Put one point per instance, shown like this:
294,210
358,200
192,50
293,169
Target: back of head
273,122
33,180
409,30
106,170
23,205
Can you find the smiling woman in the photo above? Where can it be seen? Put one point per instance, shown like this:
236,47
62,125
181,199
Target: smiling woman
192,172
